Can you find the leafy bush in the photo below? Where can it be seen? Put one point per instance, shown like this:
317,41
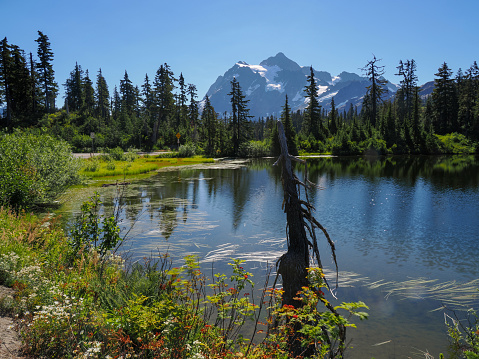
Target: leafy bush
254,149
188,150
34,169
455,143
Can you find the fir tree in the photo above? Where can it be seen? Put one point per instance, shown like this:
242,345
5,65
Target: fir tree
102,96
444,101
193,111
375,90
46,73
240,116
209,121
312,115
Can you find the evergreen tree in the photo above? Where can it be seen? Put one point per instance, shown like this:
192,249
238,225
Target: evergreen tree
45,72
182,107
333,118
467,93
164,104
289,131
6,65
88,95
406,94
21,89
128,96
209,121
444,101
240,116
375,90
102,97
73,89
312,115
193,111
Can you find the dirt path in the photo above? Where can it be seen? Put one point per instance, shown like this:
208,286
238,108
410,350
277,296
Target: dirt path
9,339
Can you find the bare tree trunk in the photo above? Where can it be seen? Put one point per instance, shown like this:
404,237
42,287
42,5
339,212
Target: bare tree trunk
301,237
294,263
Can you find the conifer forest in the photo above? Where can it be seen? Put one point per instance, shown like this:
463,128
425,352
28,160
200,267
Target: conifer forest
149,116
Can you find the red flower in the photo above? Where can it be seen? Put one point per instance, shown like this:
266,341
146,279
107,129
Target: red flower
295,316
245,276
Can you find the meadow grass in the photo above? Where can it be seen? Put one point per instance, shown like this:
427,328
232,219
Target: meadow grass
96,167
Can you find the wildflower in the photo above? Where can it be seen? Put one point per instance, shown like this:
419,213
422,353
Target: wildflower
245,276
295,316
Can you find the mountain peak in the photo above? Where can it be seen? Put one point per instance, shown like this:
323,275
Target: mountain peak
281,61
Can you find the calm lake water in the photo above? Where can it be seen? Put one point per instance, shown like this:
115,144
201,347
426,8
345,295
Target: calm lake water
406,231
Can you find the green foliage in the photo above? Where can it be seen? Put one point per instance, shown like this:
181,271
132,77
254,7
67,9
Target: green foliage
34,169
255,149
94,231
188,150
87,305
464,334
455,143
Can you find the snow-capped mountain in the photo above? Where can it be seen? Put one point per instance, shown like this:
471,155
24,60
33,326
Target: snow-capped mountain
265,86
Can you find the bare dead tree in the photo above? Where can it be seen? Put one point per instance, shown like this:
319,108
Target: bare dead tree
301,236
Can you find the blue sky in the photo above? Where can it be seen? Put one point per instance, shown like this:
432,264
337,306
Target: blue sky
203,39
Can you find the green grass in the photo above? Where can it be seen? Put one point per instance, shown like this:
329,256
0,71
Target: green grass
97,167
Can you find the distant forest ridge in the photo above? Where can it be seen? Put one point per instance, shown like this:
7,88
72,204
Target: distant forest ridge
150,115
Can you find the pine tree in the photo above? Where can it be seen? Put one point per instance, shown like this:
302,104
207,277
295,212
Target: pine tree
240,116
21,89
193,111
467,93
102,97
46,73
445,101
74,89
375,90
333,118
209,121
312,115
6,65
164,104
88,95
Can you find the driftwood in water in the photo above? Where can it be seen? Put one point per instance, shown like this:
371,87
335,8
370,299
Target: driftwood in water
301,239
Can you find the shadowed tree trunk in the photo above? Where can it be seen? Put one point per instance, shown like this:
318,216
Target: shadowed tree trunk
301,239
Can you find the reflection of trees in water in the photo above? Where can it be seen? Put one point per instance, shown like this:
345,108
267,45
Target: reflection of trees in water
452,171
430,215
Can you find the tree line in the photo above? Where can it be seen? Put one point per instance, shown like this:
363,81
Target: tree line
151,115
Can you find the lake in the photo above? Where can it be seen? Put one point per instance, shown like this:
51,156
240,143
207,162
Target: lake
406,231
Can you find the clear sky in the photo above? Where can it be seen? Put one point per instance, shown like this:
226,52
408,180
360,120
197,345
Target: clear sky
203,39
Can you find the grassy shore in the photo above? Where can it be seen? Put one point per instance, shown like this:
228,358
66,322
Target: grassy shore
107,167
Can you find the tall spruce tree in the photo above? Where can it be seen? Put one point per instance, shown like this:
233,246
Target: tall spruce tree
102,98
375,90
193,111
312,123
444,101
6,66
289,131
239,118
88,95
163,86
210,124
45,72
74,89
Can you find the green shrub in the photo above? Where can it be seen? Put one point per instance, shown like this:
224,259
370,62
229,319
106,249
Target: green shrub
188,150
117,153
255,149
34,169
